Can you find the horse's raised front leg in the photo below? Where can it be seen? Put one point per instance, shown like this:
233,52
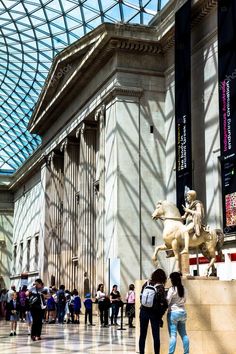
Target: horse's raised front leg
175,249
157,249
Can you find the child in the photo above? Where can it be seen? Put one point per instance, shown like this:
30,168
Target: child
14,308
51,308
28,320
88,308
77,306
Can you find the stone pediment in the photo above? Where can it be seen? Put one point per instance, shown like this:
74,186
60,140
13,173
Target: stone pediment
81,60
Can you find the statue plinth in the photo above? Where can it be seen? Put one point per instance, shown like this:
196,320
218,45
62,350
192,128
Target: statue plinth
211,323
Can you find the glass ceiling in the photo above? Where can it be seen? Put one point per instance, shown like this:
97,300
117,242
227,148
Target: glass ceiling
31,34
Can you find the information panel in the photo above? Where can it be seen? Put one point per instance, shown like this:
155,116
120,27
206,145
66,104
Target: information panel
183,102
227,108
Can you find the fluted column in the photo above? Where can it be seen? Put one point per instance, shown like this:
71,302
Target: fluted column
70,220
100,255
86,208
53,223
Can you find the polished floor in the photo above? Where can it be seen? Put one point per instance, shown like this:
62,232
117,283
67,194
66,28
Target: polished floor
68,338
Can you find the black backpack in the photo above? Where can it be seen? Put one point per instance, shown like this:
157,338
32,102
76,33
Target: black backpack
61,298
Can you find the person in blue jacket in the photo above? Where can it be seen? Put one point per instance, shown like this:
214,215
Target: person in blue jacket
77,306
88,309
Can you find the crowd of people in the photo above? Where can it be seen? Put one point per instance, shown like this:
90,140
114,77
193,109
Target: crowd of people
38,304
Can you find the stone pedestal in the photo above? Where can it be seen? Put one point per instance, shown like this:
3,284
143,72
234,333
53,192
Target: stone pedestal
211,323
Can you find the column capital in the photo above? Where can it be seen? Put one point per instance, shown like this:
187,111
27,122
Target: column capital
100,112
85,126
80,130
50,158
64,145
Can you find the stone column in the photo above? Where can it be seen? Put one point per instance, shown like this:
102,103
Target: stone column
53,219
86,206
70,221
100,261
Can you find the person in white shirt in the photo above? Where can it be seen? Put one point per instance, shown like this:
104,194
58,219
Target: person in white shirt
177,315
103,305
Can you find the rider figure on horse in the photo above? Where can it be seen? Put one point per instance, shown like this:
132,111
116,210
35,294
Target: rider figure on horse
194,214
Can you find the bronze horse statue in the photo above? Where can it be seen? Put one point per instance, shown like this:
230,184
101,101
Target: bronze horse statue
208,242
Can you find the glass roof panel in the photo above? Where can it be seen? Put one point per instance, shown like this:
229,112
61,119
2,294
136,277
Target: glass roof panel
31,34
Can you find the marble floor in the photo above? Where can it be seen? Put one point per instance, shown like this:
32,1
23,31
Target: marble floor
68,338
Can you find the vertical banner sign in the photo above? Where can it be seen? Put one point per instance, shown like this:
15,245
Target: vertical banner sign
183,102
227,108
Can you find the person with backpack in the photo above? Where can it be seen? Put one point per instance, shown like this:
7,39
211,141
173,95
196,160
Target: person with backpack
153,307
36,299
61,304
176,316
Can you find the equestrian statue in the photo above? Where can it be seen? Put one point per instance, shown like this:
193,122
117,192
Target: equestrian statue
180,237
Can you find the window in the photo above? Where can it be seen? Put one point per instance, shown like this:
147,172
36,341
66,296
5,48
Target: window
36,251
28,255
14,259
21,258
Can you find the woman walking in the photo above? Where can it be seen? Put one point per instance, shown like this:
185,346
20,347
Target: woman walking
177,315
36,303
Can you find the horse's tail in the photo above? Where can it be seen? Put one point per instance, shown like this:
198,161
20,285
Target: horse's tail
220,242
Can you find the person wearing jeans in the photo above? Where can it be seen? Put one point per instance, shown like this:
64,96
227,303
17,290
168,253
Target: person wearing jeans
115,301
177,315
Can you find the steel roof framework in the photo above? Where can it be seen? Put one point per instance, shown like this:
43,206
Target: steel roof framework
31,34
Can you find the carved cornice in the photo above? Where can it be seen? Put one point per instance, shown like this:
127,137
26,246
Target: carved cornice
200,9
204,8
123,91
135,46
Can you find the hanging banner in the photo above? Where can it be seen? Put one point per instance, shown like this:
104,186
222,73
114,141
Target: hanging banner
227,108
183,102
